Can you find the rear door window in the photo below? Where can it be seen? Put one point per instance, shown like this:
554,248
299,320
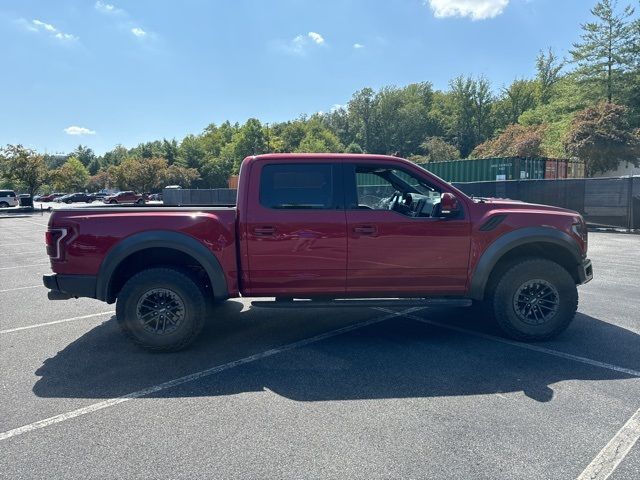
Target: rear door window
303,186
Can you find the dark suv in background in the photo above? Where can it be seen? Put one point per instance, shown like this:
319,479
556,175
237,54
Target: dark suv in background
76,197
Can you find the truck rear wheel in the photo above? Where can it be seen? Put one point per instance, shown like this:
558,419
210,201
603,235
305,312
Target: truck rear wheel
535,300
161,309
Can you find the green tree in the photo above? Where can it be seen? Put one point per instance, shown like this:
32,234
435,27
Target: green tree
319,138
94,166
603,55
115,156
249,140
71,177
436,149
353,148
548,68
24,167
514,141
466,112
84,154
170,150
177,175
360,109
215,172
191,152
517,99
401,119
98,181
144,174
601,136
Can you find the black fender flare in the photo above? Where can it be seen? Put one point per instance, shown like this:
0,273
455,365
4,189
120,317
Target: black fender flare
160,239
511,240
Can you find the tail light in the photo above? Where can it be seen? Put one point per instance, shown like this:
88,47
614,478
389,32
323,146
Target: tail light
52,238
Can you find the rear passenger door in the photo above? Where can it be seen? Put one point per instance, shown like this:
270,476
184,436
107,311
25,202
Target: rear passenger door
296,229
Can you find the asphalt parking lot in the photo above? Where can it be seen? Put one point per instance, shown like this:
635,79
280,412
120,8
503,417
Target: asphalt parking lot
353,393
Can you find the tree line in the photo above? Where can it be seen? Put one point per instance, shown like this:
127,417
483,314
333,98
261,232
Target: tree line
586,106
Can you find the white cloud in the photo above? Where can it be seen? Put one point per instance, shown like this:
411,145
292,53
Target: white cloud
45,26
476,9
358,46
74,130
40,26
138,32
316,37
300,44
336,106
104,7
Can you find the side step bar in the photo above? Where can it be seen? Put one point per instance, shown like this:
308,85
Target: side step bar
363,303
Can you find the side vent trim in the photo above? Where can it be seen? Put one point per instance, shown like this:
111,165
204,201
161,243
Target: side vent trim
493,222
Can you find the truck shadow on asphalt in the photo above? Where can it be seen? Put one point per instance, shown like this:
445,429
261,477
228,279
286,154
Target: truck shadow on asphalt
397,358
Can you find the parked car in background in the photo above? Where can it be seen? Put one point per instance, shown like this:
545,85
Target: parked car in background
125,197
8,199
76,197
99,195
51,197
155,197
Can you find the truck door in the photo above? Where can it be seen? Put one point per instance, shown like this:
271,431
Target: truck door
296,230
397,241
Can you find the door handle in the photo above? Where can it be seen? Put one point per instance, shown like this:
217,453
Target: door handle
264,231
365,229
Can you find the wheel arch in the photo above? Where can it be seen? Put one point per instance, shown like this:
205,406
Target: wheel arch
141,243
543,242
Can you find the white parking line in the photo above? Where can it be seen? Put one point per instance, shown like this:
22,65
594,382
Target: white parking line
20,288
25,266
194,376
614,452
35,223
618,447
527,346
39,250
55,322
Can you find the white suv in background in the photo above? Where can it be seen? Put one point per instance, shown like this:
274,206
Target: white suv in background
8,198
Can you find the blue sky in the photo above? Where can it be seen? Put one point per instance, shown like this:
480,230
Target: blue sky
125,72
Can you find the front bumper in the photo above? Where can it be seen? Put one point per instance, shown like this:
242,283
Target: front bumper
63,287
585,272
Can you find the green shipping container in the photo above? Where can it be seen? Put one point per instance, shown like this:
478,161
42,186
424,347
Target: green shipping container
488,169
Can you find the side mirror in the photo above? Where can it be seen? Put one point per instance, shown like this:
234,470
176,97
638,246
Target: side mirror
449,205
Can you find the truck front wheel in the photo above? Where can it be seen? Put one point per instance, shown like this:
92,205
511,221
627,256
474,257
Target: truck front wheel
535,300
161,309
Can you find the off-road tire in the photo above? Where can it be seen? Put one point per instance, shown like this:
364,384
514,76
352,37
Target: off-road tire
503,299
167,279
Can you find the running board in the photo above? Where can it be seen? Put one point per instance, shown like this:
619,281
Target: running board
364,302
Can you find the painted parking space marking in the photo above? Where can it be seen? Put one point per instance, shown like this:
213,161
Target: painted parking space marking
527,346
55,322
20,288
25,266
194,376
614,452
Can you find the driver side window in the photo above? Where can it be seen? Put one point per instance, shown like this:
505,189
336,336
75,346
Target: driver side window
381,188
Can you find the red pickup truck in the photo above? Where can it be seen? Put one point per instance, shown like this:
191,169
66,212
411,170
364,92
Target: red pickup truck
322,229
125,197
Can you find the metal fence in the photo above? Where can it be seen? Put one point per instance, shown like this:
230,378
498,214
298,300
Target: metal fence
183,196
602,201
